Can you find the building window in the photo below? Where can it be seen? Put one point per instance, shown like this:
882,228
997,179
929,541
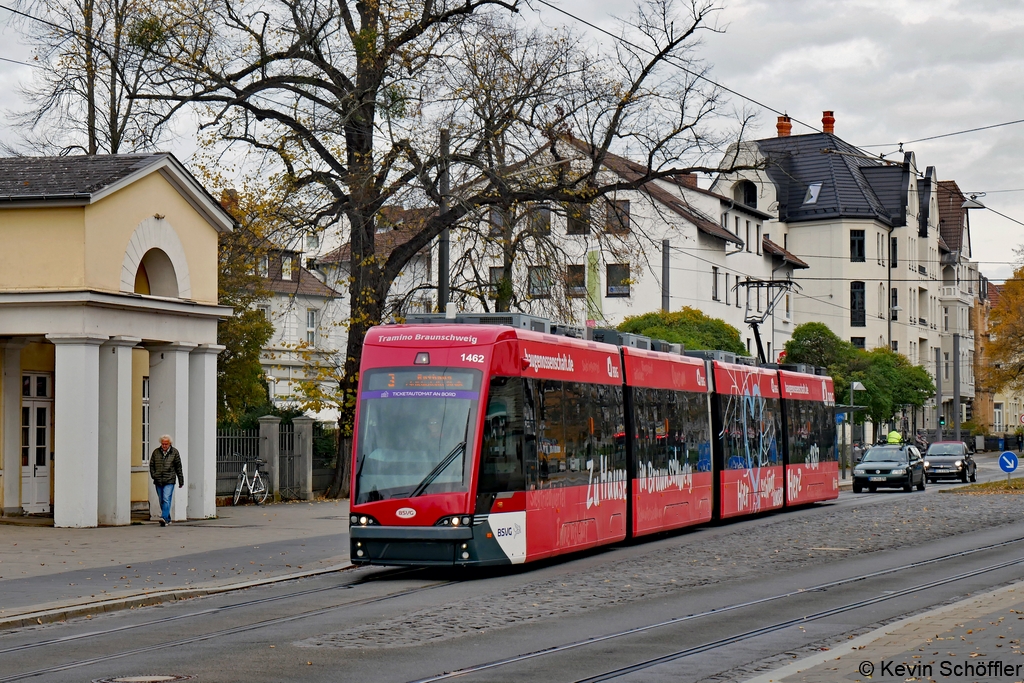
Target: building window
788,314
727,289
264,310
263,266
945,318
617,216
618,279
997,415
286,267
895,346
858,342
737,224
857,246
893,253
894,304
748,236
577,219
714,283
312,241
540,220
857,305
496,275
539,282
145,419
576,280
945,365
758,231
311,322
746,192
496,222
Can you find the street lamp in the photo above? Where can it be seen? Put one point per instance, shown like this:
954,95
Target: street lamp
855,386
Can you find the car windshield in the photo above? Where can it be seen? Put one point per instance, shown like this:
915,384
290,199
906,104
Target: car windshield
885,455
945,449
415,427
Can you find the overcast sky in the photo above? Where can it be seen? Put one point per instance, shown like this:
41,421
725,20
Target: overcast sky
892,70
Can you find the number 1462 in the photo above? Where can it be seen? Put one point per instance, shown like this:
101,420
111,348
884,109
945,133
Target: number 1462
472,358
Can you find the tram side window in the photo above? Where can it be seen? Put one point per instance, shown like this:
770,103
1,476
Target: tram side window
501,457
672,425
577,409
550,433
812,427
751,428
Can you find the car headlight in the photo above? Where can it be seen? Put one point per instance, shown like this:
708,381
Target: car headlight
959,464
927,464
899,471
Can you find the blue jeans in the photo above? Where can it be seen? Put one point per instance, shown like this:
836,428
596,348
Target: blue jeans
165,492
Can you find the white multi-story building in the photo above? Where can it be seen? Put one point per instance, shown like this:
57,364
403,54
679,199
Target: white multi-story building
881,273
663,246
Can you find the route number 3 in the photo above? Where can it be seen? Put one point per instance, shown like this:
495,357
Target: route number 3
472,358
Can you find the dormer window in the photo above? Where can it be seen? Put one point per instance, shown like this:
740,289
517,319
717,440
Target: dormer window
286,267
813,190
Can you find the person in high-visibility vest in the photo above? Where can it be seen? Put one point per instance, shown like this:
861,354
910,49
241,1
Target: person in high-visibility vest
894,437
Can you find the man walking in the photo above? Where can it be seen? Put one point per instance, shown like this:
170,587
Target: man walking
165,468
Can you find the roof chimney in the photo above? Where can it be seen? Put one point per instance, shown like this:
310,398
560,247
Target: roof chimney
828,122
784,126
688,179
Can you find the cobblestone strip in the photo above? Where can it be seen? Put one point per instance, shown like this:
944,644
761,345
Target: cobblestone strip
785,543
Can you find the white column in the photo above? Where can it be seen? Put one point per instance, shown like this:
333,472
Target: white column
10,425
76,417
168,410
202,432
115,419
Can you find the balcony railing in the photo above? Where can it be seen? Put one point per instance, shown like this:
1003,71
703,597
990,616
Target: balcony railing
922,270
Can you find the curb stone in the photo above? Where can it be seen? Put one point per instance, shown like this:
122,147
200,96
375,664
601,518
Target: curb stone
57,614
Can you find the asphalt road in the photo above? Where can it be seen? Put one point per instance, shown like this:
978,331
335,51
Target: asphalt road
716,603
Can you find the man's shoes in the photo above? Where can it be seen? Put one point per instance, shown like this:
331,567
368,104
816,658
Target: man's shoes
168,522
163,523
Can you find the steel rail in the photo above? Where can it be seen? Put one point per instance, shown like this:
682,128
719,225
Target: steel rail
213,610
721,610
215,634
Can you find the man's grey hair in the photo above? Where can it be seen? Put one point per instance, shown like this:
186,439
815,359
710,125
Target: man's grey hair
168,437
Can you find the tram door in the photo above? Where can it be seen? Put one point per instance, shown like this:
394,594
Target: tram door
36,412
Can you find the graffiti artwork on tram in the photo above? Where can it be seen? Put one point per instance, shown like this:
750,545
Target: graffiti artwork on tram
749,419
677,476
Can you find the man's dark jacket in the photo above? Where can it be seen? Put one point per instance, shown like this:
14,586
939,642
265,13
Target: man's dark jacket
166,468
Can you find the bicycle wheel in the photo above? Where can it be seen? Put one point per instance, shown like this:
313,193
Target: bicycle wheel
258,491
238,489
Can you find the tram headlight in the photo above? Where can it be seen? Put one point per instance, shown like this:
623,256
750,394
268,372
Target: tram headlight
466,521
363,520
455,521
354,519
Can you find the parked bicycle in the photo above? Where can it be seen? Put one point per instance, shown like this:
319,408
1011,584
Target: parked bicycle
255,483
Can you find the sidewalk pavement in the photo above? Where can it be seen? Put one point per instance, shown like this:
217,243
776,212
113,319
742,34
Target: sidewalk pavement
976,639
49,574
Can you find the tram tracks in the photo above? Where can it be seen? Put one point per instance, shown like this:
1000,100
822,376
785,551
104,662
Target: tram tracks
747,635
219,633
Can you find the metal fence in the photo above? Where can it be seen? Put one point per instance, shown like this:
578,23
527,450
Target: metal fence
234,447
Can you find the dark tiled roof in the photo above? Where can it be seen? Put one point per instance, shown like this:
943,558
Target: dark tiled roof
68,177
784,254
399,226
632,171
303,284
951,215
852,185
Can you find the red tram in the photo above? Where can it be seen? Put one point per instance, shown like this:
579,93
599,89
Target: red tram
484,444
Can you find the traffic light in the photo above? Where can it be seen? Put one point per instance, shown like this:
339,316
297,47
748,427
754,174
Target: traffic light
942,421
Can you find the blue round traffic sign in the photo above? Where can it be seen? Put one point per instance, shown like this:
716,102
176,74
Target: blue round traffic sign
1008,461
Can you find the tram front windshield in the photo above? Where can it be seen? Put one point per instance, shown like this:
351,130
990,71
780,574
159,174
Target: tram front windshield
416,427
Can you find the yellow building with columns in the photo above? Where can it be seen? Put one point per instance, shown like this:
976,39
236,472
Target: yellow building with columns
108,334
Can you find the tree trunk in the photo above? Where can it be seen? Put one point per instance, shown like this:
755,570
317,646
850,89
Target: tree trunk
88,9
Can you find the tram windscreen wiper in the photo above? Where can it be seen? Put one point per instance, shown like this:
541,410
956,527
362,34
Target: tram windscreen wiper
438,469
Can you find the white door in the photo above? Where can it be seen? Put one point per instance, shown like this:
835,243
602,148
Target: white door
36,407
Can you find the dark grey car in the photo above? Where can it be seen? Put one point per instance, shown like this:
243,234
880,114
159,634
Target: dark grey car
950,460
890,466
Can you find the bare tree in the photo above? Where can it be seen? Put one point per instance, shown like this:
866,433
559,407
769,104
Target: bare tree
348,98
92,62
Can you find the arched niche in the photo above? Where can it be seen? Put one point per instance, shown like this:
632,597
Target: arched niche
745,192
154,260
